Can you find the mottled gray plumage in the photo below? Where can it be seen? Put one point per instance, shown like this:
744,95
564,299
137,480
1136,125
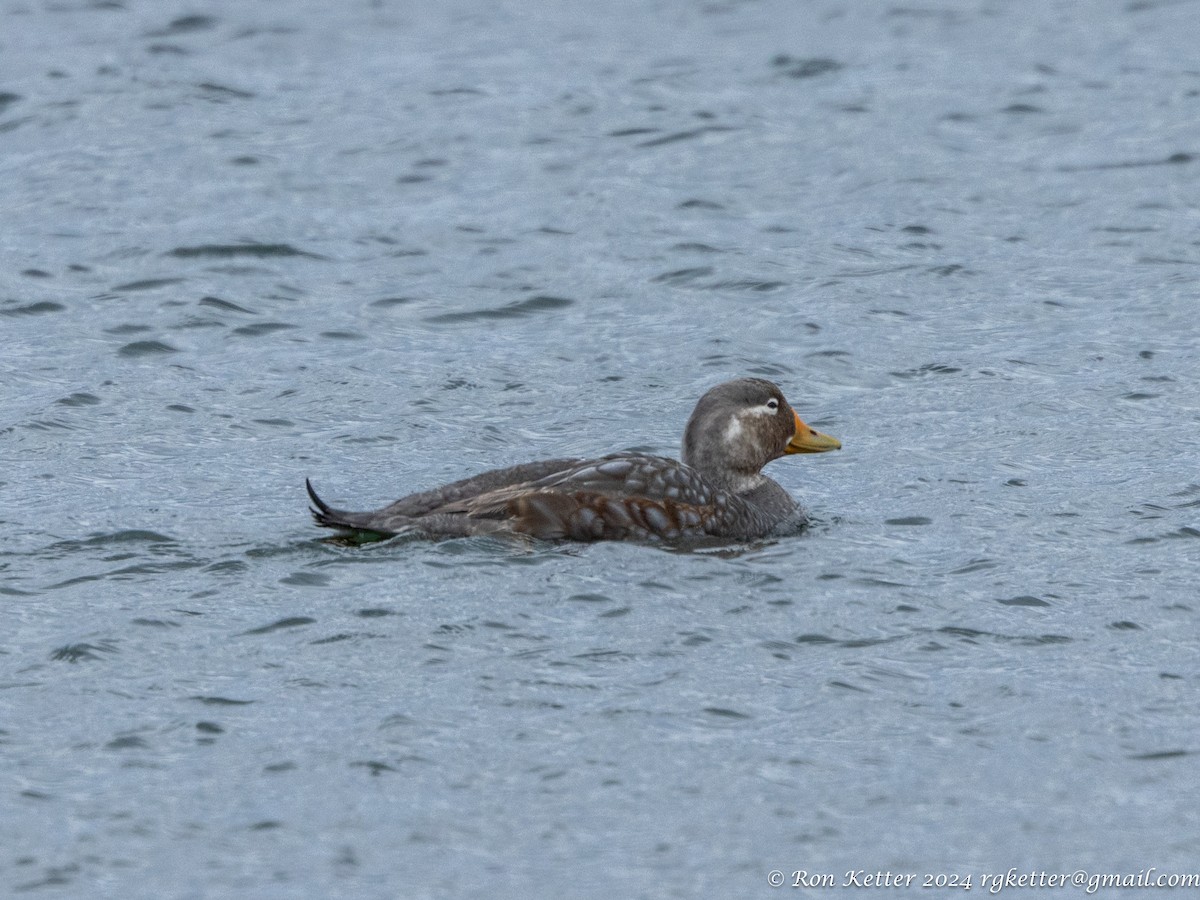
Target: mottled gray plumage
718,490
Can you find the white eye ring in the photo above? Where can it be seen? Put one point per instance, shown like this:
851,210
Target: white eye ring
773,404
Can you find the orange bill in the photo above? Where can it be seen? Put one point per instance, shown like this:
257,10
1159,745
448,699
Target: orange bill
806,440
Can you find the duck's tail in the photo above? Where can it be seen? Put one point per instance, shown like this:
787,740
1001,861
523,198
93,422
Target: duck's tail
328,517
322,512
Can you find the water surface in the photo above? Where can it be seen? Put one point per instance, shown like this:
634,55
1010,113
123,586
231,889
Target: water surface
386,246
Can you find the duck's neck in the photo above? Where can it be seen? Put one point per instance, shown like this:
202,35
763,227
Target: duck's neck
741,482
723,477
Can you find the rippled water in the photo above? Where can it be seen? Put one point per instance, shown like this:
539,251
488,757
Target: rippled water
385,245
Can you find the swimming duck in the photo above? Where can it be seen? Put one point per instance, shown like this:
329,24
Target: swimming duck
716,491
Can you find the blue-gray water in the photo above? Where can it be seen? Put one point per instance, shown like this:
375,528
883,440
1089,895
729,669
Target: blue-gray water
390,244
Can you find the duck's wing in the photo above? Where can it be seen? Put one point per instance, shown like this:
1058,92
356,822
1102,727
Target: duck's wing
513,477
639,475
624,495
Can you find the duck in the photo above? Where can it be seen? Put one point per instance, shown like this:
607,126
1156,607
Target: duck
716,490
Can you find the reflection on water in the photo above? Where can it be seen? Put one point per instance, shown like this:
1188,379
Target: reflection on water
391,247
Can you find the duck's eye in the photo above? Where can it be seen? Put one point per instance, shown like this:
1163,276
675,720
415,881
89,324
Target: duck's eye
773,404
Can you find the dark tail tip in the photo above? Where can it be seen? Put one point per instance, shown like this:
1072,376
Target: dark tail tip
320,509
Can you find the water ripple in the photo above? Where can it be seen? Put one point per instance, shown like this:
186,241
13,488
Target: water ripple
532,306
250,248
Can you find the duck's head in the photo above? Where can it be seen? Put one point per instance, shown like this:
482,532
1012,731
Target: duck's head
740,426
